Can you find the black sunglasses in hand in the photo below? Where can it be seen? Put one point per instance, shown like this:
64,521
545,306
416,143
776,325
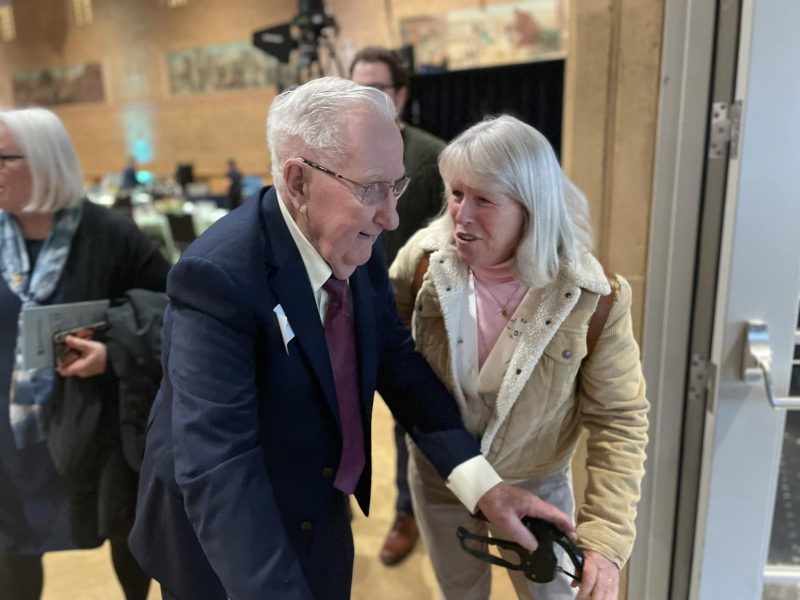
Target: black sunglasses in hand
540,565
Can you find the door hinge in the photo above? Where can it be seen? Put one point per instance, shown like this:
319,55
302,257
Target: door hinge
701,372
725,127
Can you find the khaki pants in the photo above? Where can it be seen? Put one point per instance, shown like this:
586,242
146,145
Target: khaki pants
439,514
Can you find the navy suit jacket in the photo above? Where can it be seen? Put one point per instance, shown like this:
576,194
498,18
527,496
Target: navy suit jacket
236,492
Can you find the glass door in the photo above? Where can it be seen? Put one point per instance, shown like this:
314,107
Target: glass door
724,254
755,314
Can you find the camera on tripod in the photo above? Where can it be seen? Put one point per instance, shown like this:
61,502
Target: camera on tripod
312,28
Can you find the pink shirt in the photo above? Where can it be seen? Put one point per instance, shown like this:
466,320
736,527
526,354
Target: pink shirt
497,296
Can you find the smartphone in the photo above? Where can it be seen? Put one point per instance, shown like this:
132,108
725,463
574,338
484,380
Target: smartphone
63,354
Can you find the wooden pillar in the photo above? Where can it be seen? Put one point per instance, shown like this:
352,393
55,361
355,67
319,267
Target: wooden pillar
609,136
610,115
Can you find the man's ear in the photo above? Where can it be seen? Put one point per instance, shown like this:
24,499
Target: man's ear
400,99
295,177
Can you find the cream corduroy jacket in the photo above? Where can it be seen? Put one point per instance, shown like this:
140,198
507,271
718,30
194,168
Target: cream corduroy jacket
548,392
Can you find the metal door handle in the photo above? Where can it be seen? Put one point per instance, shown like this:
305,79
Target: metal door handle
757,363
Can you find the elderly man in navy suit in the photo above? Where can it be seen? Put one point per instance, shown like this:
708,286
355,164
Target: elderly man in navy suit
280,328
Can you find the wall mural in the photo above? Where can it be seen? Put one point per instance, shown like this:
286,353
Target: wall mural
66,85
493,35
234,66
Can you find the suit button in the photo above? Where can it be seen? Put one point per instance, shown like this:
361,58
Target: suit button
305,526
327,472
567,354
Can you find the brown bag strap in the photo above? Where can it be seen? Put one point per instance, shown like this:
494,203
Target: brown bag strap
600,316
419,274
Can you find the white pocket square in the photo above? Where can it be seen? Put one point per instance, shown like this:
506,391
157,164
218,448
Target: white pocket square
286,329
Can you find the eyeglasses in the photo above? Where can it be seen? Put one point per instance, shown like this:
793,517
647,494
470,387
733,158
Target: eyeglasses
367,193
9,157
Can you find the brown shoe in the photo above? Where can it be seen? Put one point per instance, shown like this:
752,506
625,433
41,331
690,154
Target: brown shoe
400,541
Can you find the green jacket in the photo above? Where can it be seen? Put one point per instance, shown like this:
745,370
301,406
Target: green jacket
425,194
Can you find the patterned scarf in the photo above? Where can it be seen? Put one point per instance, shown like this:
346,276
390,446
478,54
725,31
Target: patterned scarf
31,388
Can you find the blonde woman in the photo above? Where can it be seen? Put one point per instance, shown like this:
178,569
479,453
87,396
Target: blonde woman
502,315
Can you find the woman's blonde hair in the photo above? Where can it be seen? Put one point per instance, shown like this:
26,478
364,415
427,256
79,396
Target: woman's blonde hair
503,155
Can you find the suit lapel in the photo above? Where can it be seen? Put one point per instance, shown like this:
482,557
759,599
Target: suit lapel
289,282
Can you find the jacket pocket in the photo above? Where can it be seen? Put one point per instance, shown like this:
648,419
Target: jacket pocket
529,440
560,363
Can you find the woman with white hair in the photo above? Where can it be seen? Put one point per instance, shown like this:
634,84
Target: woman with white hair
499,292
64,481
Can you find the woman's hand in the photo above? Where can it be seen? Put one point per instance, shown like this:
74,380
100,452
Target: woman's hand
600,578
91,358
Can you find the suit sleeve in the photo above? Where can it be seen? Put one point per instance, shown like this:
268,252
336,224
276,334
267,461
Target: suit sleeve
219,463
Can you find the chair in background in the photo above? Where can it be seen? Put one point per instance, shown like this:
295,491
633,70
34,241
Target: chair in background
157,229
182,228
123,204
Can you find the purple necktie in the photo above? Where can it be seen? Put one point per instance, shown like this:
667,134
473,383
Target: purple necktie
340,336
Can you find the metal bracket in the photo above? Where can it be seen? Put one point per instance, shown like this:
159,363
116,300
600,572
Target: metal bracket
757,364
725,126
701,370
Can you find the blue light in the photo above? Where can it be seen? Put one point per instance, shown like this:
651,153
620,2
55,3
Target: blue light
138,127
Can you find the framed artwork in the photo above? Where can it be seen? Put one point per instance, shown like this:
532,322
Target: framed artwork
494,35
63,85
234,66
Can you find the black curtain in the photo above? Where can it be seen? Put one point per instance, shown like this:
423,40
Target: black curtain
446,104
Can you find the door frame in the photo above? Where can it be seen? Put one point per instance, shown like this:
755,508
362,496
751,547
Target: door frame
759,280
686,65
727,503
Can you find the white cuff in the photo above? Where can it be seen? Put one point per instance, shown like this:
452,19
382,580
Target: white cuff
470,480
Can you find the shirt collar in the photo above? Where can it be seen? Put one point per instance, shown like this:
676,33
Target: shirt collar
318,270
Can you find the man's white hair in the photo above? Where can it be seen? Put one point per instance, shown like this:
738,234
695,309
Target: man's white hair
312,119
